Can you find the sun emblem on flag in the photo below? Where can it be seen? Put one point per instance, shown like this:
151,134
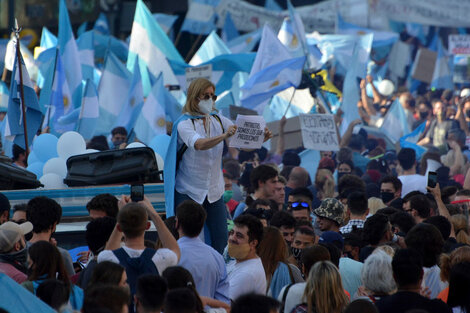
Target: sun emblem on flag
274,84
66,102
132,102
160,122
248,40
294,42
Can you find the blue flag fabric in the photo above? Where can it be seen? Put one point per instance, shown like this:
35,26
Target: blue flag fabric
212,47
201,17
101,24
395,124
14,127
89,111
410,140
86,52
229,31
245,43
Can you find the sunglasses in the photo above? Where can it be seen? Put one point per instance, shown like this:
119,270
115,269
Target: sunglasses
299,205
208,96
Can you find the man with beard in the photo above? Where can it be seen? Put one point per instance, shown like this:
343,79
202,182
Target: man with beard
13,251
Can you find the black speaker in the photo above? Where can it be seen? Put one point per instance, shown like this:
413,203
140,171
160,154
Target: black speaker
13,177
125,166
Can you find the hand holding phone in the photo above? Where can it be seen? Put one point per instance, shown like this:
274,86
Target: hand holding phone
432,179
137,193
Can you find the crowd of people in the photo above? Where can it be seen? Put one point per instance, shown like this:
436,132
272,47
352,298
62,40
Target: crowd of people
367,233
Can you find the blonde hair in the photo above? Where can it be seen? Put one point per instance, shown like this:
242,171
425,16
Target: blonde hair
459,221
447,261
375,204
195,90
324,290
325,184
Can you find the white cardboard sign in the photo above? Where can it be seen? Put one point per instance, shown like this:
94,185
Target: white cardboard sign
196,72
319,132
250,132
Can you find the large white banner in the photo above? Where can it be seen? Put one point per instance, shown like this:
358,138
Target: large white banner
446,13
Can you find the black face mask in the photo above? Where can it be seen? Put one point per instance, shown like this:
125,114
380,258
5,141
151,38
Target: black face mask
386,196
467,113
296,252
423,115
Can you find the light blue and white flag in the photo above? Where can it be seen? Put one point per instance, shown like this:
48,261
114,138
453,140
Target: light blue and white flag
381,38
262,85
14,127
166,22
133,105
245,43
89,111
272,5
103,43
298,28
395,123
223,103
152,45
276,109
86,52
410,140
48,39
211,47
336,48
45,63
201,17
4,96
101,24
60,102
442,77
112,92
82,28
152,119
229,31
357,70
70,55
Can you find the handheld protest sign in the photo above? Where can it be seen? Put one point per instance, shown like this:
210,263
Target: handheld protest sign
250,132
319,132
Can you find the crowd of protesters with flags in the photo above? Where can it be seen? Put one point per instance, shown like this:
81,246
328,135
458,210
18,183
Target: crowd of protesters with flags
377,223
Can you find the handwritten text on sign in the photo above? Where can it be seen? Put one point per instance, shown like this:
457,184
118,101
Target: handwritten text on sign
250,132
319,132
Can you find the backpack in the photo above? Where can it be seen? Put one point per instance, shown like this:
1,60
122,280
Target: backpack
136,267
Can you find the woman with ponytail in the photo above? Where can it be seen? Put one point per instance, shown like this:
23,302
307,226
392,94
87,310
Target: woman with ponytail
459,221
448,261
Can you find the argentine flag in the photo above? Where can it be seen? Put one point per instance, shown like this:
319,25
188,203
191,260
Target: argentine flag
229,31
200,18
153,47
112,92
152,119
4,96
442,77
395,123
133,105
89,111
86,52
410,141
14,127
70,55
211,47
245,43
101,24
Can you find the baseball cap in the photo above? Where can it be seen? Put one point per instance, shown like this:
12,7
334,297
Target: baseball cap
10,233
332,237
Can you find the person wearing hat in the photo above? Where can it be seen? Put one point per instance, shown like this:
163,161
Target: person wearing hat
329,215
13,252
4,209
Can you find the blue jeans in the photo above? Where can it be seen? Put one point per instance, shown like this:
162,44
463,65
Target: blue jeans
216,221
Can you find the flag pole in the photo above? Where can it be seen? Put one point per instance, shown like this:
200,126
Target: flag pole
19,68
193,47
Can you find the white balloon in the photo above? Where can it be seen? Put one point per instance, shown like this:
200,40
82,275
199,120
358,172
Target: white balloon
52,181
386,87
55,166
136,145
69,144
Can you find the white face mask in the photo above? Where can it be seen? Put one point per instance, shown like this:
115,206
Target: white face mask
205,106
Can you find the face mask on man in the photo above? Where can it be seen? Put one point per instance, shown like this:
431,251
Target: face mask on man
386,196
423,114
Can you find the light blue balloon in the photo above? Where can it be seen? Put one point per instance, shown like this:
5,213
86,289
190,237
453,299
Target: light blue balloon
36,168
32,158
159,144
45,147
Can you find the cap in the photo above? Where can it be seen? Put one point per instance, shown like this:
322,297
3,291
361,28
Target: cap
10,233
332,237
465,93
332,209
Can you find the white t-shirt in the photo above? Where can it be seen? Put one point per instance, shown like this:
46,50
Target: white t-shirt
162,259
246,277
295,296
413,182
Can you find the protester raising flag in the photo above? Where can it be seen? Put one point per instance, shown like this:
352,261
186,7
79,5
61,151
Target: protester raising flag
14,125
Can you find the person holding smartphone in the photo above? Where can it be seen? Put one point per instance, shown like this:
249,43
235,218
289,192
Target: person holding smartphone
193,164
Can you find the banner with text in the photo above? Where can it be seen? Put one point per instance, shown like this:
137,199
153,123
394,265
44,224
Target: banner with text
250,132
193,73
319,132
459,44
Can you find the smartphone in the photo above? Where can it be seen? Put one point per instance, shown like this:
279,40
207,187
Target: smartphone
432,179
137,193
